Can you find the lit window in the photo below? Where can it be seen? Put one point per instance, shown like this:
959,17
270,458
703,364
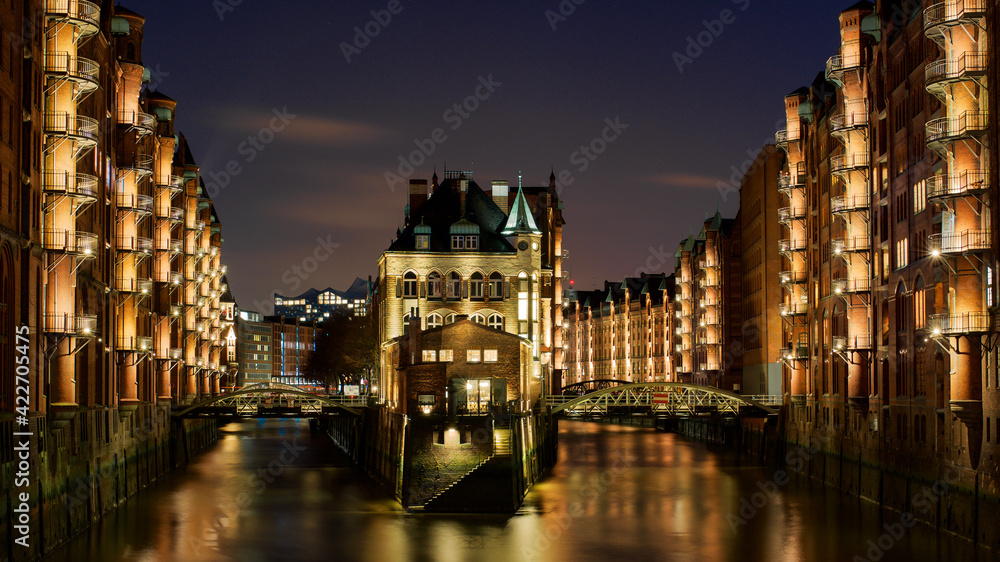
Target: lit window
434,320
490,355
434,285
495,322
429,355
919,196
902,252
447,355
423,241
476,284
496,286
473,356
410,285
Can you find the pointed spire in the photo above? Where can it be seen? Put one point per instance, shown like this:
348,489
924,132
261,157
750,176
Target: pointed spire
520,219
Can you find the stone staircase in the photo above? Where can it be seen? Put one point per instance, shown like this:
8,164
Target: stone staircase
490,471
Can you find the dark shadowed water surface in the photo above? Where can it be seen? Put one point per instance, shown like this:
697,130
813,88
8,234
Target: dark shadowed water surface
271,491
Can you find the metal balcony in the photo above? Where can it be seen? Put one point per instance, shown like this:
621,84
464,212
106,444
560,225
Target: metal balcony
782,138
171,214
792,179
171,183
176,310
851,244
196,226
83,72
80,325
946,186
78,243
969,125
176,278
141,344
85,16
143,123
78,128
134,285
788,309
141,165
940,16
789,214
958,324
139,204
135,244
708,303
837,65
859,342
849,121
849,204
966,241
843,163
941,73
798,353
787,246
844,285
80,186
786,278
170,354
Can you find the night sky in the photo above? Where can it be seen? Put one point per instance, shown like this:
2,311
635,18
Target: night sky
322,177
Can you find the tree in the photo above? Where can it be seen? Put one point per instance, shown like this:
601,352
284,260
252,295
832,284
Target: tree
346,349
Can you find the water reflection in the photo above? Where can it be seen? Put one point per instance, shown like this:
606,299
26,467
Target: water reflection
271,491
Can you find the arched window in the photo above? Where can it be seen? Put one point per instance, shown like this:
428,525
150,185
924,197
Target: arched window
454,285
919,304
495,321
406,323
478,318
476,286
410,285
434,320
450,319
434,285
496,286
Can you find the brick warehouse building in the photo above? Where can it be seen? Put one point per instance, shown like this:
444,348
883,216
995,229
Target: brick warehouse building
109,253
622,332
891,260
491,257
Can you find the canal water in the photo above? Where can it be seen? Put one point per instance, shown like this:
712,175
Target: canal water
270,491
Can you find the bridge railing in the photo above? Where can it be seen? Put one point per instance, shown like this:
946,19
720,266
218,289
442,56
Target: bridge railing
647,399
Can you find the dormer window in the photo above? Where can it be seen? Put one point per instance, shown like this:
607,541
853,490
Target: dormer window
423,242
422,236
465,242
458,242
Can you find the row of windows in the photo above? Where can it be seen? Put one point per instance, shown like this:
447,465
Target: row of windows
435,320
437,286
471,356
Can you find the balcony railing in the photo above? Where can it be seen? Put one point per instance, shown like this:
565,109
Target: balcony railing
172,183
86,16
967,66
176,278
791,245
839,64
968,125
849,120
143,123
142,164
170,354
952,12
792,308
141,204
792,179
792,277
849,204
705,303
135,244
82,186
79,128
957,324
135,343
848,162
797,353
83,72
859,342
844,285
783,137
81,325
944,186
850,244
134,285
78,243
959,243
788,214
172,214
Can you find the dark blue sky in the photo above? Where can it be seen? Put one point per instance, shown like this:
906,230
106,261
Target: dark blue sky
323,175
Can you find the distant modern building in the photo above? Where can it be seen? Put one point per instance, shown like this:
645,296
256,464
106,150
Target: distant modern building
254,348
292,345
316,304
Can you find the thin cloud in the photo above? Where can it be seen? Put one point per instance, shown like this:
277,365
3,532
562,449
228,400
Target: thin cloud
304,128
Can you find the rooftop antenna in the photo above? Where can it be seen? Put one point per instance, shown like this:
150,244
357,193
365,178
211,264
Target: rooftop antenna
519,179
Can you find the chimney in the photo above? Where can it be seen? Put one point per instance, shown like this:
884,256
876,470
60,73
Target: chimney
463,189
418,194
501,191
413,339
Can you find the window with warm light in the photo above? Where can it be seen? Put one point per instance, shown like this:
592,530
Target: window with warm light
423,241
473,356
489,355
429,355
447,355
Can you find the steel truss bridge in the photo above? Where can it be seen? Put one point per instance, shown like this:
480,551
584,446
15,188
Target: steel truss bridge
271,400
662,399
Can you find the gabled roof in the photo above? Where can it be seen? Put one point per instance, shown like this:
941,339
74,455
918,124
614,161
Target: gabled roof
520,219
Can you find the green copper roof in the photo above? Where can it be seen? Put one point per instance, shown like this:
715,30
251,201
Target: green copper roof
520,219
